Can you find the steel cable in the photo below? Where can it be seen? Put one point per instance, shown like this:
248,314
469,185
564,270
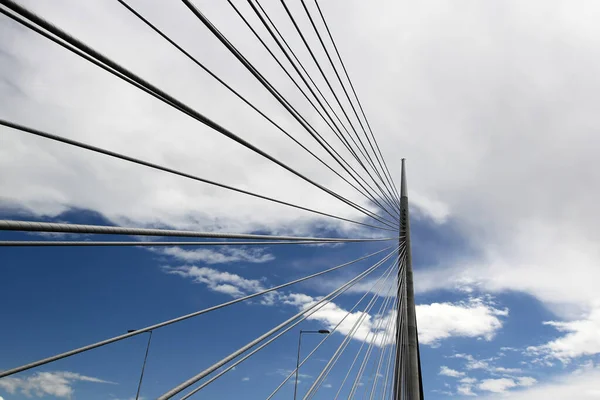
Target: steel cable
368,352
176,320
333,360
244,358
154,91
366,156
335,129
367,309
390,183
184,385
349,370
148,164
356,95
237,94
326,371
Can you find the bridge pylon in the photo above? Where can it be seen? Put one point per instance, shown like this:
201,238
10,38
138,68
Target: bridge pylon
408,384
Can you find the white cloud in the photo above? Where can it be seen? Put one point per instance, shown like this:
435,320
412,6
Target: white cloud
526,381
501,385
134,123
58,384
497,385
581,338
444,392
583,383
503,370
329,245
331,314
501,207
444,370
465,389
477,317
227,289
468,102
219,256
472,362
245,379
227,283
218,281
487,365
474,318
298,299
576,305
434,209
501,204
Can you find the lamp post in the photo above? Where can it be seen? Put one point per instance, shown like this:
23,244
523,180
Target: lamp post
137,395
320,331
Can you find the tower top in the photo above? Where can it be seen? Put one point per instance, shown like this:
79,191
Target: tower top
403,190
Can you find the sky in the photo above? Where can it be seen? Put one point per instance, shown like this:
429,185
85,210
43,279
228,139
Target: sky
492,104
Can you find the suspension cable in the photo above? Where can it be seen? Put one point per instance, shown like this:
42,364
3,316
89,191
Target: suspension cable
367,157
259,339
238,362
383,350
178,319
390,358
356,96
323,142
237,94
367,309
349,370
276,94
367,357
234,51
29,226
85,243
332,361
154,91
308,14
148,164
337,355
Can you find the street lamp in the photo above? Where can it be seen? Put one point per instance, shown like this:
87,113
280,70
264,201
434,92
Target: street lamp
320,331
143,365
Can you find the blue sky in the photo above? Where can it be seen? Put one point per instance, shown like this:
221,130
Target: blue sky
70,297
492,103
127,290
